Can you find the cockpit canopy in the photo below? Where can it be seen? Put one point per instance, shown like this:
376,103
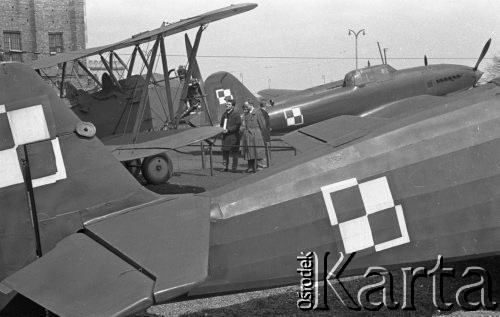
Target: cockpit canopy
360,77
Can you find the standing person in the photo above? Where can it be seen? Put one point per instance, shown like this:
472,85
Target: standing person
231,122
252,143
266,134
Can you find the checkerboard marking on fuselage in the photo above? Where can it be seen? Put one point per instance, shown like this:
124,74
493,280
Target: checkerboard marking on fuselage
365,214
293,117
25,126
222,94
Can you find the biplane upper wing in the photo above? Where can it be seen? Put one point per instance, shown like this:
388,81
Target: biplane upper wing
164,30
151,143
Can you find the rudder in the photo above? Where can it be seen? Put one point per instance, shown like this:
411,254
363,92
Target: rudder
221,85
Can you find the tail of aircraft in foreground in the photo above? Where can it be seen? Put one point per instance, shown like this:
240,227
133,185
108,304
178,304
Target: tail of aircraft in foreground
75,187
81,238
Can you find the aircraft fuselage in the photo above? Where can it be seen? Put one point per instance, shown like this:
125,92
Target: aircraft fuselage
326,101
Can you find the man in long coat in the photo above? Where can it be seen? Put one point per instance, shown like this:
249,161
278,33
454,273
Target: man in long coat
231,122
252,143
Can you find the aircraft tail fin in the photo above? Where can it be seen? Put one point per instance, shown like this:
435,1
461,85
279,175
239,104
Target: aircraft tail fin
51,167
221,85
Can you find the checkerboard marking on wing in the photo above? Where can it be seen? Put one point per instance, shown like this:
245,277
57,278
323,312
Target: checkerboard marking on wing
24,126
293,116
222,94
365,214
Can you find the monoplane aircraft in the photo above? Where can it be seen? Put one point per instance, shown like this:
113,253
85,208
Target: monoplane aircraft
368,91
120,110
80,236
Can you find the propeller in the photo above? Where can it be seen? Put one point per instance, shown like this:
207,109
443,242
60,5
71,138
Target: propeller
425,60
483,53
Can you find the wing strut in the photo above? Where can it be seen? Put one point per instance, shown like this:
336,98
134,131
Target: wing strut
110,71
132,61
82,65
145,61
197,74
167,79
144,96
61,88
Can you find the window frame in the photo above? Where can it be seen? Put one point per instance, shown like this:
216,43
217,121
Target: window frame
13,54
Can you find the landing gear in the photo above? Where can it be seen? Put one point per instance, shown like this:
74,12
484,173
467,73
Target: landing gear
157,169
133,166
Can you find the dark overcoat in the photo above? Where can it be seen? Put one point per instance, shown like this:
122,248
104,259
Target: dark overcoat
252,143
231,139
266,133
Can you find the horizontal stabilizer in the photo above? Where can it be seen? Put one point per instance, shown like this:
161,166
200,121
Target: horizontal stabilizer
155,142
124,262
332,133
81,278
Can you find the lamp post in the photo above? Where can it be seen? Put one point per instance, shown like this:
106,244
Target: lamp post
356,41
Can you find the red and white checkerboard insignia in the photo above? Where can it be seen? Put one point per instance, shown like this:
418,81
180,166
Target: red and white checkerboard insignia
365,214
25,126
293,116
222,94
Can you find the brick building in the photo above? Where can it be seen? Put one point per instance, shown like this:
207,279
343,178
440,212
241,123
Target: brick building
33,28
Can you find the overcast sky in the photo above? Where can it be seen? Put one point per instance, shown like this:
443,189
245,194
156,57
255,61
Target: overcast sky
297,35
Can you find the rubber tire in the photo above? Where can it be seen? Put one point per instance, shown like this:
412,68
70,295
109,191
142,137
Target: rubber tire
157,169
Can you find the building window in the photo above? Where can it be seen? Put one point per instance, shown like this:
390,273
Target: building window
12,44
55,43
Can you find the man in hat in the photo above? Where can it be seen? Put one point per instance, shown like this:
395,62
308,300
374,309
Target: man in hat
230,122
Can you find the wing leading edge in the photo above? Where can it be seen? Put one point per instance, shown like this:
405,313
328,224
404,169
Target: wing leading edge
164,30
151,143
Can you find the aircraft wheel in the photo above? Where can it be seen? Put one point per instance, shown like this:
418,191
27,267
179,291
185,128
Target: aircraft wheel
133,166
157,169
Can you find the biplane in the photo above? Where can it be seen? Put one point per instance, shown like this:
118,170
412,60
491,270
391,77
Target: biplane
80,237
371,91
120,110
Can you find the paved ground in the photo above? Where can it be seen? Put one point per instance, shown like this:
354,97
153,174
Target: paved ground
190,178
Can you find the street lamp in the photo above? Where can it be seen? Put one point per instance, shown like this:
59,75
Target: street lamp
356,38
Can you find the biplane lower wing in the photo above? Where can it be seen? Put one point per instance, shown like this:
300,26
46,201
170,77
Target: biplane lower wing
123,263
151,143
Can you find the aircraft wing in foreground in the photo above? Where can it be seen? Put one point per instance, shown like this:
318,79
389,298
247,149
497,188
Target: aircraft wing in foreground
81,237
